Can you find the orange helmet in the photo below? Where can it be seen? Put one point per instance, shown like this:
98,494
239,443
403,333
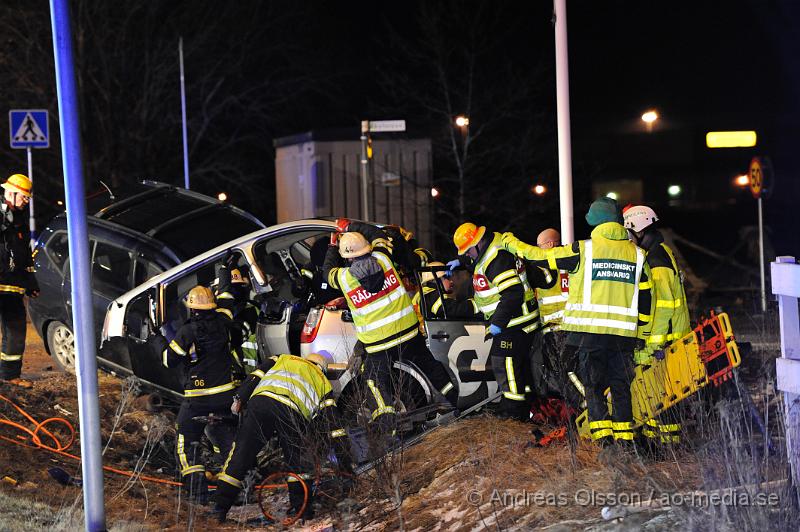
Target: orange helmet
467,235
236,277
18,183
201,298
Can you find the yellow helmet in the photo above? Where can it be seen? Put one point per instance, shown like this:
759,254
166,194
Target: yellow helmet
428,276
319,360
467,235
201,298
236,277
18,183
352,245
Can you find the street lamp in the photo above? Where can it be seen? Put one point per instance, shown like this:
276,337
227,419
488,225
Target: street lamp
222,196
649,118
539,190
674,190
742,180
462,121
435,192
612,195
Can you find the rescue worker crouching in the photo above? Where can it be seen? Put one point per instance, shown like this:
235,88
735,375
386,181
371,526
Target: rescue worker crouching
608,302
507,301
17,277
384,317
290,397
670,311
202,349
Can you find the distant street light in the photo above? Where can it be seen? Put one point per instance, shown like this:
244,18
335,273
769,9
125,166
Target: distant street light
742,180
462,121
435,192
222,196
649,118
612,195
731,139
539,190
674,190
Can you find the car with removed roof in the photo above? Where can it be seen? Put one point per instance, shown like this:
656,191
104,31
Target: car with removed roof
130,241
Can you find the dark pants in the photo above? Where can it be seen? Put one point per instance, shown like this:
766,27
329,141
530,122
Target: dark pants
13,326
510,356
264,418
601,367
381,390
190,432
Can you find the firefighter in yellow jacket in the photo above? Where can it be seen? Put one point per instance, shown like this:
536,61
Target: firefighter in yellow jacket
507,301
289,396
609,300
383,315
670,311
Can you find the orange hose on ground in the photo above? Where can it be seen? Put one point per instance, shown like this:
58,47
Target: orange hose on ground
59,448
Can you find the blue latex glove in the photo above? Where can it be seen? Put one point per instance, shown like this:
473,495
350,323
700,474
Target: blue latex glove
494,330
452,265
659,354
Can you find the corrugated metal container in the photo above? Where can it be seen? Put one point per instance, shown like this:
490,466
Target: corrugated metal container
317,174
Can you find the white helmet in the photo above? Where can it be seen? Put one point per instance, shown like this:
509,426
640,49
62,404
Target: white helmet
639,217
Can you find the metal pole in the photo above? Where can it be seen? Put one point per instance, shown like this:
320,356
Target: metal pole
82,319
31,219
364,170
183,119
761,254
564,142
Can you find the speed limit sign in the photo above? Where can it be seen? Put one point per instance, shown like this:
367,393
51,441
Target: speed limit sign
756,175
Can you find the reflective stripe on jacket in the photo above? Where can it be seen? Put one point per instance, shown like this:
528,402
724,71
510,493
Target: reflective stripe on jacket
295,382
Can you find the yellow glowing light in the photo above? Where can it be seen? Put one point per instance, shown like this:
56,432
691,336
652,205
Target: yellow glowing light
539,190
59,202
222,196
612,195
435,192
731,139
462,121
742,180
650,117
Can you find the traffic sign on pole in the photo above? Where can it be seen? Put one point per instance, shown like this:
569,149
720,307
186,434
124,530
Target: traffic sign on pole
387,126
28,128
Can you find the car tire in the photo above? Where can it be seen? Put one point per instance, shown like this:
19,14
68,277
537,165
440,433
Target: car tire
61,344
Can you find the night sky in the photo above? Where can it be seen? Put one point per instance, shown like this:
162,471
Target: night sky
703,65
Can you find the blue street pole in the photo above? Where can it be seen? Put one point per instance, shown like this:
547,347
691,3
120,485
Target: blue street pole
82,320
183,119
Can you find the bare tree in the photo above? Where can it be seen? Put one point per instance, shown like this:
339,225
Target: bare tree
458,64
243,70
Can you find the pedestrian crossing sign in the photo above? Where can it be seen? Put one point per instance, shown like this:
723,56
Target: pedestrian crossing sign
28,128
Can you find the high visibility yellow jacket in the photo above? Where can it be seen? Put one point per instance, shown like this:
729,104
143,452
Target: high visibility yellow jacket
670,310
498,276
295,382
609,282
553,300
384,319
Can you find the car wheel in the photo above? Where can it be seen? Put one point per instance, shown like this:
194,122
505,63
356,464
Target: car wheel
61,342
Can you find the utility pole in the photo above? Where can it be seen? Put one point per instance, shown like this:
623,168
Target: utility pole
183,118
564,137
82,318
365,170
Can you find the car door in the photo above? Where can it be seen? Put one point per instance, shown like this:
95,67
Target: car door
460,344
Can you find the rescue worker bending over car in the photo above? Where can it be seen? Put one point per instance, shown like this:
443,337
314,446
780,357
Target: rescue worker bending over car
507,301
233,293
383,315
291,397
609,300
201,348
